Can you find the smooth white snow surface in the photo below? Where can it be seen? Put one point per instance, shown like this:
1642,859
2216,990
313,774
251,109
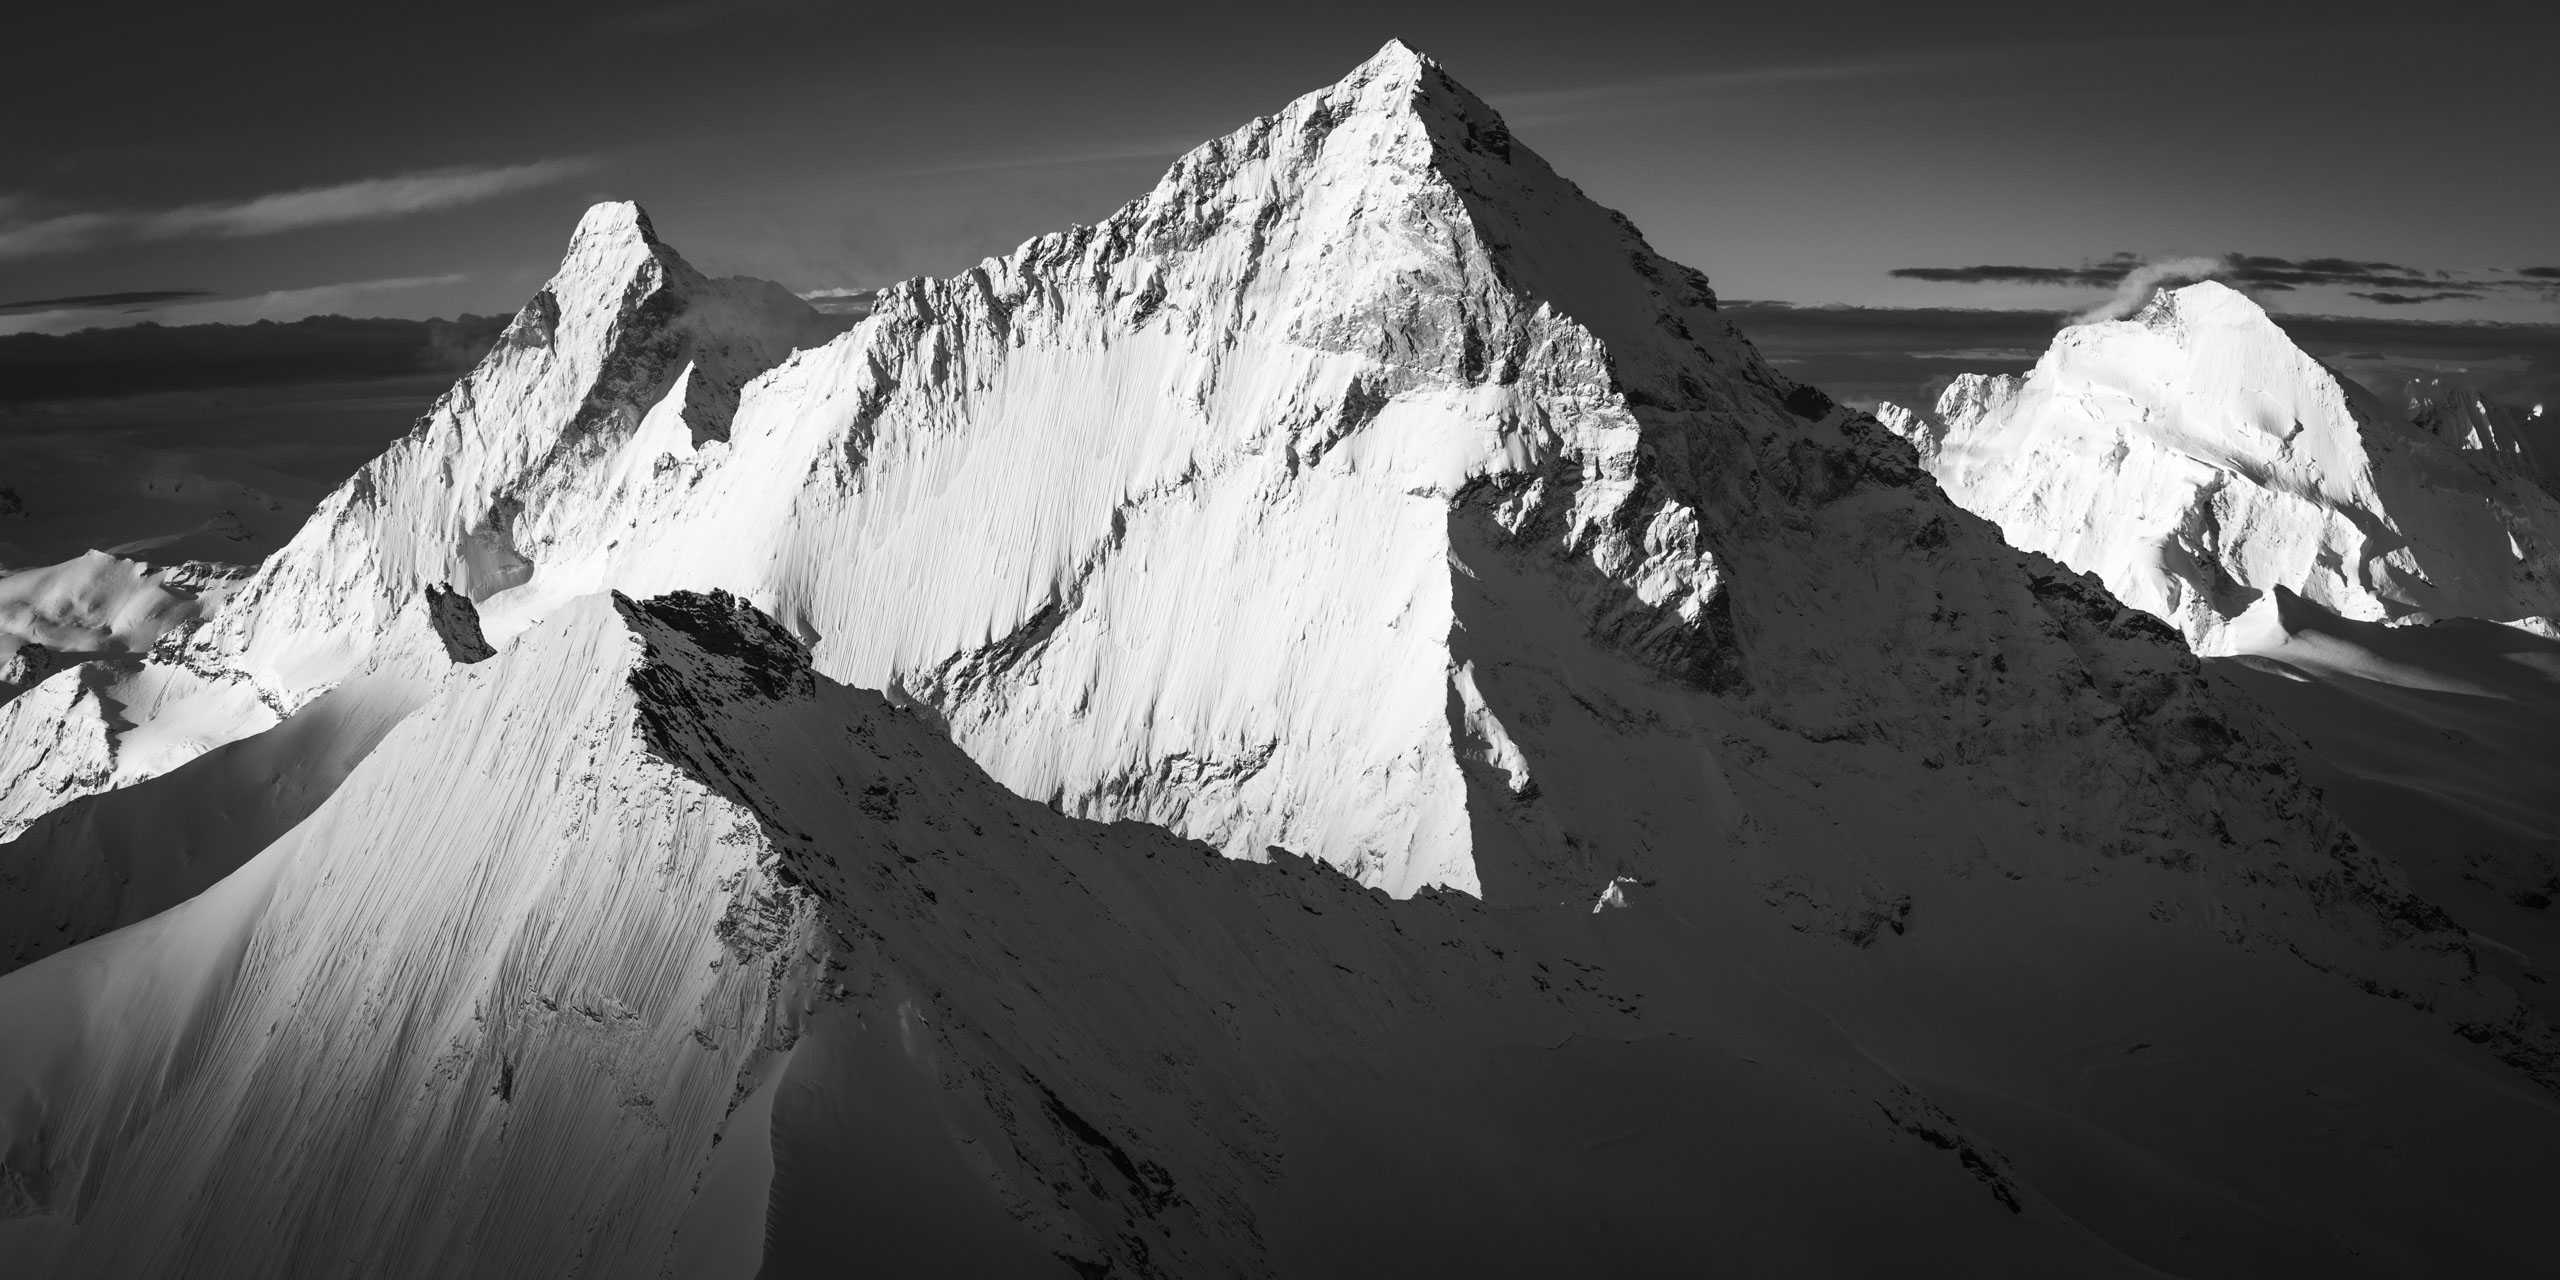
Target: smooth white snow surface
2195,459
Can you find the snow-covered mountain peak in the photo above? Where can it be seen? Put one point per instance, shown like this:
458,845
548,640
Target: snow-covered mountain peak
2203,302
626,346
613,224
612,242
2194,458
1395,195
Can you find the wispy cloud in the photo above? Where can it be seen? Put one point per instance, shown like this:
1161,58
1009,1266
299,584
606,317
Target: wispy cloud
1156,150
855,303
1548,106
105,301
2143,278
24,234
94,311
2387,298
1865,354
2131,278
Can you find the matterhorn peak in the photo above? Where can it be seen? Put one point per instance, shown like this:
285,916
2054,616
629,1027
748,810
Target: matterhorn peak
1403,81
1395,63
615,231
615,220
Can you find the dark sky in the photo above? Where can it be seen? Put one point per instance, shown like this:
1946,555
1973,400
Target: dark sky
421,159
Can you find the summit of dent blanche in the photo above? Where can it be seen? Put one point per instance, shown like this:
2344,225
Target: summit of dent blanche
1348,717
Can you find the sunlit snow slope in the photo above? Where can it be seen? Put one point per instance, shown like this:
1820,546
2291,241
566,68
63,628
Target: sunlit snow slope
2195,459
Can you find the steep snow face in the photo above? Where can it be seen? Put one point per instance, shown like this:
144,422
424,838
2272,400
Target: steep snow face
2195,459
625,340
102,861
112,722
515,951
644,883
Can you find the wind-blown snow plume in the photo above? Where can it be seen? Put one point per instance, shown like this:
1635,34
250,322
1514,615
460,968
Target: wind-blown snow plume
363,200
2140,283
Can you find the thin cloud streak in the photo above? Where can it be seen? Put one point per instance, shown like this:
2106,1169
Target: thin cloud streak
1549,106
91,301
2132,278
1538,106
2385,297
365,200
275,304
1163,151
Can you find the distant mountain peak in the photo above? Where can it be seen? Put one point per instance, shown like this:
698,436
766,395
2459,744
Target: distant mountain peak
2207,298
2196,459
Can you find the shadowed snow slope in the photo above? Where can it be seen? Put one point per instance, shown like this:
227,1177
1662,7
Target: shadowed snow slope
2435,742
645,883
1363,493
2195,459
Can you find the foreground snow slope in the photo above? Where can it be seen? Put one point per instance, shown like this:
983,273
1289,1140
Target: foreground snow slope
509,909
107,860
2195,459
644,883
